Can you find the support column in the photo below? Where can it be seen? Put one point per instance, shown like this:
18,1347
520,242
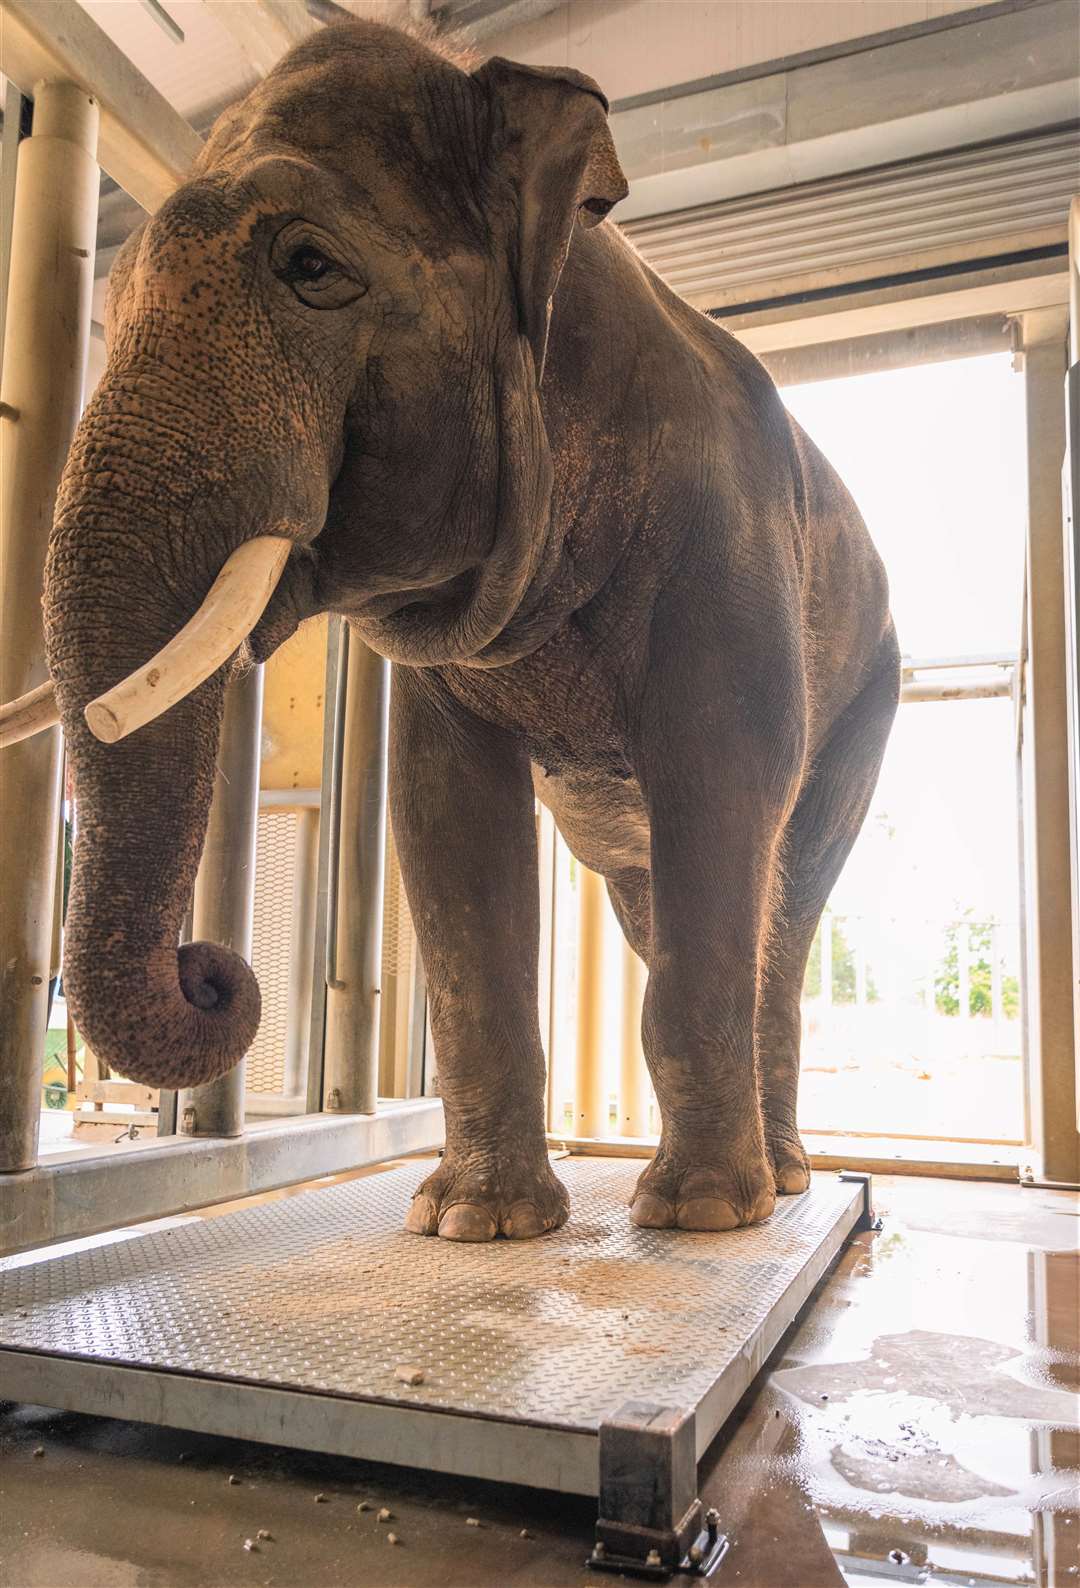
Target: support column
302,950
50,281
589,1088
633,1073
1052,1069
225,887
358,845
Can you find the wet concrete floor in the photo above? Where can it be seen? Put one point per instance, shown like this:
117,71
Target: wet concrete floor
918,1424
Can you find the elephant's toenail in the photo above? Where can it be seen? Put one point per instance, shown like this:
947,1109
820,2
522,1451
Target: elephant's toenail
650,1212
707,1213
522,1222
465,1221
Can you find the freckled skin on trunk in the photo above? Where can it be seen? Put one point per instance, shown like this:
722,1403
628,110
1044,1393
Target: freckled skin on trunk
386,318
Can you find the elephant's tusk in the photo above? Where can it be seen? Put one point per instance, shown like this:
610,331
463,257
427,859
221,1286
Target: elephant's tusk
31,713
233,605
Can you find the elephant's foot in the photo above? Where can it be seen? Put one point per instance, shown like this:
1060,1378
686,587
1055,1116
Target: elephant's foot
791,1166
467,1201
683,1192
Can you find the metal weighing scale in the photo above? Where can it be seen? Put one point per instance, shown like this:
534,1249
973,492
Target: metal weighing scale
599,1360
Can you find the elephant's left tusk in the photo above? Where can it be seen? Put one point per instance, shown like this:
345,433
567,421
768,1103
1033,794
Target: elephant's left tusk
233,605
31,713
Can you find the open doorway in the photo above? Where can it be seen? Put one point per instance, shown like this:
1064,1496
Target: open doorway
911,1007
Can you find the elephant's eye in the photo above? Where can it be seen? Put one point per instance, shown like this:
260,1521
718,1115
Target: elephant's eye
309,264
311,271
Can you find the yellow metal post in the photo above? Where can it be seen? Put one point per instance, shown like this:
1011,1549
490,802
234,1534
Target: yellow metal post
591,1088
358,853
50,281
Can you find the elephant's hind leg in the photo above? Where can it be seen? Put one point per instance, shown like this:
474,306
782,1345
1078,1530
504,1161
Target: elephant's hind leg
817,841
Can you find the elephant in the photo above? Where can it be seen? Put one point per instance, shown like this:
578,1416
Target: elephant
385,330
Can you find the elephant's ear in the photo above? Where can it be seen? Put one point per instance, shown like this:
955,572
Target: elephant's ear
552,141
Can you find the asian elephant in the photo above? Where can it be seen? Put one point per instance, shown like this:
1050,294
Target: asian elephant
385,322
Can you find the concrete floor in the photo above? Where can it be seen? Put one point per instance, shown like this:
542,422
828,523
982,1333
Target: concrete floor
920,1424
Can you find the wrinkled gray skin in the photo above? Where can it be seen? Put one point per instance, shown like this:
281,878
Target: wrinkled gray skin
610,568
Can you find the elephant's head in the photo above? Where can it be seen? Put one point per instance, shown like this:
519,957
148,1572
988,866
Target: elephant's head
332,334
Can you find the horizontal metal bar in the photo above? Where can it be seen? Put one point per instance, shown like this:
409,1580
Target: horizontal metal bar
988,689
547,1458
838,50
290,799
929,664
84,1194
848,1155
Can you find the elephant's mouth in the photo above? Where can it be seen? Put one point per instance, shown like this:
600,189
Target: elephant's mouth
452,591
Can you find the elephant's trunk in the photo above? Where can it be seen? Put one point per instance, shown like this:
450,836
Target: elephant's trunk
119,585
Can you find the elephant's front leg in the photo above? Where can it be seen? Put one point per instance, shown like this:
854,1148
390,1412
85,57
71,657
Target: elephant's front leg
462,807
717,800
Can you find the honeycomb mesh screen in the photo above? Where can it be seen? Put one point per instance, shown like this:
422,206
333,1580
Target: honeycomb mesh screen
275,866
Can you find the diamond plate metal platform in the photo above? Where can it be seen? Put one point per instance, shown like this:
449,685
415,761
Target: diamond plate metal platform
285,1322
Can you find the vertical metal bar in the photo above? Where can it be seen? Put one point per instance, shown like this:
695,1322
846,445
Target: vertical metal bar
1050,1008
14,104
590,1088
225,886
556,1089
302,951
50,281
633,1074
351,1063
317,1034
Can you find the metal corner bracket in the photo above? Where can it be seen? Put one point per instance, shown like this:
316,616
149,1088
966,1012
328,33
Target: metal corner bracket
868,1219
651,1519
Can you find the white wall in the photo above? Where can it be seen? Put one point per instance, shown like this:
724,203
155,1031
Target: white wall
632,46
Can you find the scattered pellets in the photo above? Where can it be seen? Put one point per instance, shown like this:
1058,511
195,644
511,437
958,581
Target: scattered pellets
265,1533
409,1375
320,1499
365,1505
251,1546
473,1521
385,1515
233,1479
40,1451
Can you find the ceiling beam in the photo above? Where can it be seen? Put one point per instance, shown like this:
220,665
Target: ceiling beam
144,144
264,29
484,18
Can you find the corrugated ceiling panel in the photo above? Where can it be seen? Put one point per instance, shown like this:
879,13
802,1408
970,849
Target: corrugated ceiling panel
943,209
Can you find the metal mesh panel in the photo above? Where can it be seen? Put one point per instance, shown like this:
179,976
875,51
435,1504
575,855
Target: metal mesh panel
394,907
275,867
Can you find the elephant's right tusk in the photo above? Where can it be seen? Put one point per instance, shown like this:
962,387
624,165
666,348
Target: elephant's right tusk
233,605
31,713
